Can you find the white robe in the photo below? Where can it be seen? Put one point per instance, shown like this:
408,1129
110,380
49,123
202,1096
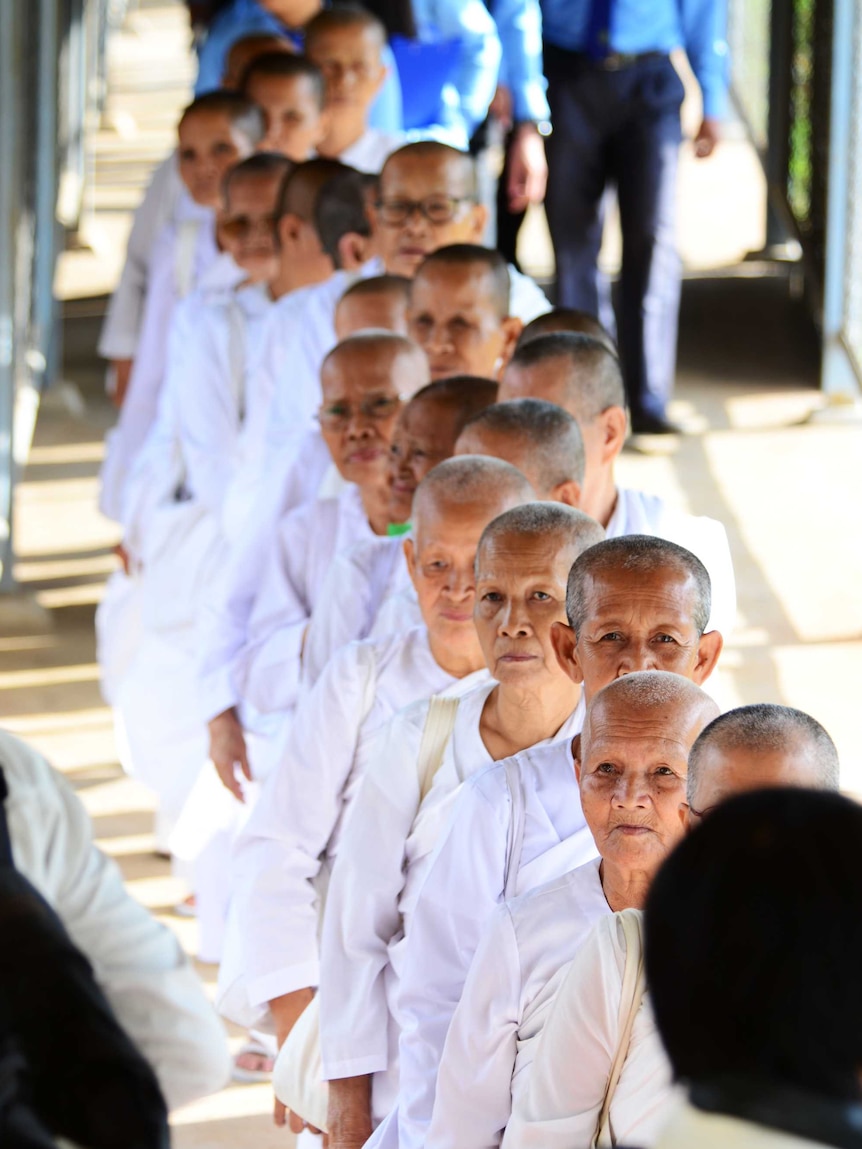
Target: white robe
138,963
388,844
558,1106
469,875
638,513
228,603
371,151
507,994
373,570
293,835
307,540
140,406
690,1128
164,736
162,203
527,301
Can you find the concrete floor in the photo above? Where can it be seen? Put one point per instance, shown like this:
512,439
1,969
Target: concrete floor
787,488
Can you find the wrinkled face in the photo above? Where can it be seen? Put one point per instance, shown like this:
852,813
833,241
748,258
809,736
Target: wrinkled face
362,389
726,771
441,558
295,123
349,59
424,437
453,317
637,622
209,145
246,226
548,381
632,779
520,594
382,311
438,183
478,440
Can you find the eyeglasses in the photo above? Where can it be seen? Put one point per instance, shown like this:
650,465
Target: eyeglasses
375,408
437,209
242,226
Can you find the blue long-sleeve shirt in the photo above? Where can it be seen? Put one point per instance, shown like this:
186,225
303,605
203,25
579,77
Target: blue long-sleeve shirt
698,26
519,25
244,18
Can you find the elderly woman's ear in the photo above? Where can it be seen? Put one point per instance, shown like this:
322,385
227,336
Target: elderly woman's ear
576,754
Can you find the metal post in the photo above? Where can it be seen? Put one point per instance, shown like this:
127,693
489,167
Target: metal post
778,122
44,358
838,378
10,176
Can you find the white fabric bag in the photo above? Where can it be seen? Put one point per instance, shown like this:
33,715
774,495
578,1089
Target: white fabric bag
297,1076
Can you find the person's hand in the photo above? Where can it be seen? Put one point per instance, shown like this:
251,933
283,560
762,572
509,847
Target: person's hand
122,374
228,750
501,106
528,168
707,138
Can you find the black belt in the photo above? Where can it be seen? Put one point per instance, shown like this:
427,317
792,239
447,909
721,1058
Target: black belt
613,62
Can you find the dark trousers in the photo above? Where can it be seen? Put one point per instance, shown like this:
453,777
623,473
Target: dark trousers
619,129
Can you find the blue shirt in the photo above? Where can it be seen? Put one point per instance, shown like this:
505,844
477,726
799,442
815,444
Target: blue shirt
519,25
698,26
246,18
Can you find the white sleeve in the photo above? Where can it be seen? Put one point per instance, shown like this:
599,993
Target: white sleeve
138,963
140,404
223,622
120,331
474,1083
208,416
362,916
461,888
338,618
560,1104
277,858
269,667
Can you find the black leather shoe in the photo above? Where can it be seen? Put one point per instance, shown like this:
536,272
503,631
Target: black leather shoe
645,424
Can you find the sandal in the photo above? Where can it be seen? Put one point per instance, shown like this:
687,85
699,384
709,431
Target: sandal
253,1064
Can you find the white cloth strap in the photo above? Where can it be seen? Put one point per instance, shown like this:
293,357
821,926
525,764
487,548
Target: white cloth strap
439,724
631,996
518,819
184,256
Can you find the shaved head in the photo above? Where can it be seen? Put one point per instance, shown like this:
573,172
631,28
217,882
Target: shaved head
427,152
637,556
470,479
544,434
397,286
565,526
379,349
465,395
470,257
672,700
583,375
567,319
760,746
303,185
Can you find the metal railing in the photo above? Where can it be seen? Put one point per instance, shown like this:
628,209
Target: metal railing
796,77
51,59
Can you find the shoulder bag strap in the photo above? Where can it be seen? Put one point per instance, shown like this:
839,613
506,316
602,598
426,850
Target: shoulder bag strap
236,356
184,256
439,724
633,989
517,818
